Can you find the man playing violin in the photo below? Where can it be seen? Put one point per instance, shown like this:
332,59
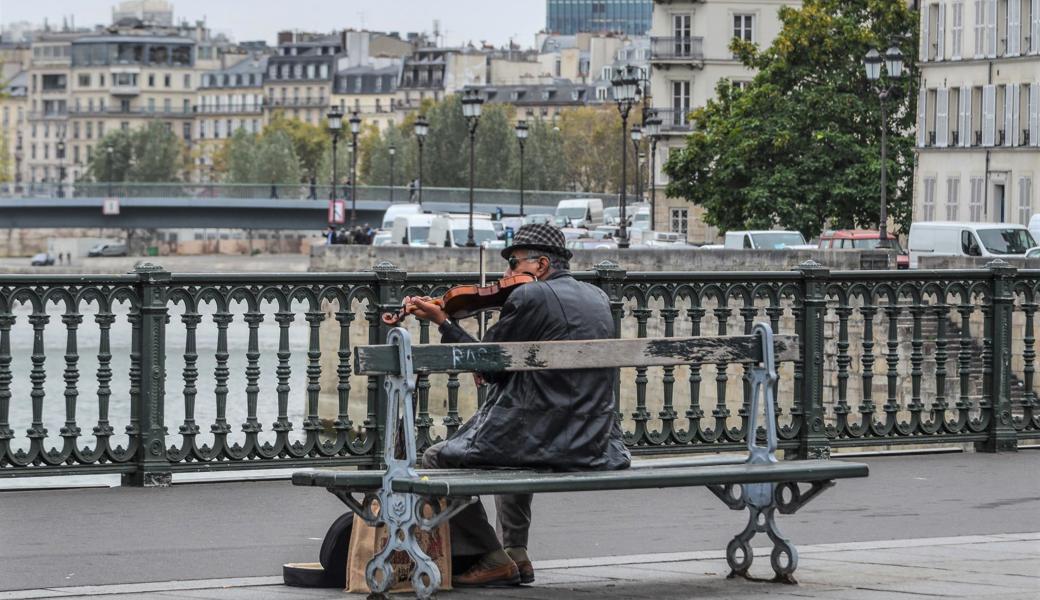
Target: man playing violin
562,420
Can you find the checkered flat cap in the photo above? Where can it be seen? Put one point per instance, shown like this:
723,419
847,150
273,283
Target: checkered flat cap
539,236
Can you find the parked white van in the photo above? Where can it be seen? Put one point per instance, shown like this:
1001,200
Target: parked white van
582,212
412,230
766,240
452,230
947,238
395,210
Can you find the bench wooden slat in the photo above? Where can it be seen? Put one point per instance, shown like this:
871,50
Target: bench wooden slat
354,480
713,470
579,354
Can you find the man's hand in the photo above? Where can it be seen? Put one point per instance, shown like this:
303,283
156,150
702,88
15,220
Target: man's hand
426,309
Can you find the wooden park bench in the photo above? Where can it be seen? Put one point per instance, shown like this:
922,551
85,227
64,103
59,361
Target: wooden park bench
408,498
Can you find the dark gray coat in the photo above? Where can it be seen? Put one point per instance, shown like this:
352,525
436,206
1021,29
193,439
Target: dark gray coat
550,419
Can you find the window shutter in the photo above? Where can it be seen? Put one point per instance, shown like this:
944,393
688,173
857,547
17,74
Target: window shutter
924,33
991,28
989,114
1016,117
942,117
940,33
1009,114
922,133
1034,37
965,114
1014,27
1034,114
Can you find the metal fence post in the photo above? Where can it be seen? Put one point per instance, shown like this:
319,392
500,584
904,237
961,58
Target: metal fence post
153,466
1001,434
389,291
611,279
812,442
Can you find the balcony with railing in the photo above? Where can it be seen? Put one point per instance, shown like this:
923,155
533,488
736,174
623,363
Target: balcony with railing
683,50
226,109
307,102
675,120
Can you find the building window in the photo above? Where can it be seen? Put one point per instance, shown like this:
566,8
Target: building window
680,102
1025,199
953,190
743,27
151,79
975,203
89,130
679,220
84,80
187,81
928,206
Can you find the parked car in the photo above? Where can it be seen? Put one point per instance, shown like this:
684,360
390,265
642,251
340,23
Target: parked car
453,230
539,218
766,240
582,212
108,249
662,238
592,244
397,209
383,237
947,238
42,259
611,215
864,239
411,229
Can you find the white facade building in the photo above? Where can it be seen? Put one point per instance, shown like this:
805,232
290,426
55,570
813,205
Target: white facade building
978,141
689,54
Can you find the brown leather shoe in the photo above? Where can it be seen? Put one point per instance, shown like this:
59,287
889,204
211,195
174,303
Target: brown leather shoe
487,574
523,563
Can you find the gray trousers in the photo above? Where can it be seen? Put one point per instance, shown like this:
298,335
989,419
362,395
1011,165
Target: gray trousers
471,532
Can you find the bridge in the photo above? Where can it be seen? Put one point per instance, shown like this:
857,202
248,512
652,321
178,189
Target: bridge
230,206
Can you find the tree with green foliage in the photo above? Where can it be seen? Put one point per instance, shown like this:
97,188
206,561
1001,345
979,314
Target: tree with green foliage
152,153
800,147
310,142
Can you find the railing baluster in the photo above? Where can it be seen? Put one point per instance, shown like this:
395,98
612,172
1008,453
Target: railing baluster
7,320
313,425
867,408
283,371
343,423
695,413
220,428
252,427
71,431
941,311
38,376
104,320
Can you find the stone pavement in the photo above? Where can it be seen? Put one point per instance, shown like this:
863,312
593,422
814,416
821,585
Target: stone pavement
979,566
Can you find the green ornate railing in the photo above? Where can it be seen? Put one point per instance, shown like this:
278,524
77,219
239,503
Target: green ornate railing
180,372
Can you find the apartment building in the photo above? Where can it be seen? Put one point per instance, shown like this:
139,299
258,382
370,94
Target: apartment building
48,101
978,130
228,99
13,118
370,92
299,78
689,54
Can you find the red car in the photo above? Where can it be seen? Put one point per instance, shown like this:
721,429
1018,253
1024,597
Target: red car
863,239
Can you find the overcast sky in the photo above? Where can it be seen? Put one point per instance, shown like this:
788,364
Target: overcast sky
460,20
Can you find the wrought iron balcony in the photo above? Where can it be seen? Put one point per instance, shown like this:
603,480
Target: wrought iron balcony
314,102
677,49
675,121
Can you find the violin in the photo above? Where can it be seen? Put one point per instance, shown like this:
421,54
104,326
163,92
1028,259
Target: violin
467,300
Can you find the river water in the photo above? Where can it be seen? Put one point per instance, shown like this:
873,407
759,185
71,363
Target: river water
88,339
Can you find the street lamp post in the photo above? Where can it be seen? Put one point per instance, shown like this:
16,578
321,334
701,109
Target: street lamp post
355,129
471,105
60,150
422,127
335,118
521,137
894,65
625,86
652,128
637,137
393,151
109,151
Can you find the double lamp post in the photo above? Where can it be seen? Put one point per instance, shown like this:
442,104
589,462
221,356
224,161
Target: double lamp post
893,60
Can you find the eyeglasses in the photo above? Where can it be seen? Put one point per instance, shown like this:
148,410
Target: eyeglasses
514,262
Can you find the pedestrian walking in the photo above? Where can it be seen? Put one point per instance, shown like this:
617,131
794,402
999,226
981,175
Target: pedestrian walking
412,186
313,195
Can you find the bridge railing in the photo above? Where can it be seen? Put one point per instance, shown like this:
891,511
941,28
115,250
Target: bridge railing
152,373
286,191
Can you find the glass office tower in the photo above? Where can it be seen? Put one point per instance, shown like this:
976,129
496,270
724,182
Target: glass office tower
568,17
